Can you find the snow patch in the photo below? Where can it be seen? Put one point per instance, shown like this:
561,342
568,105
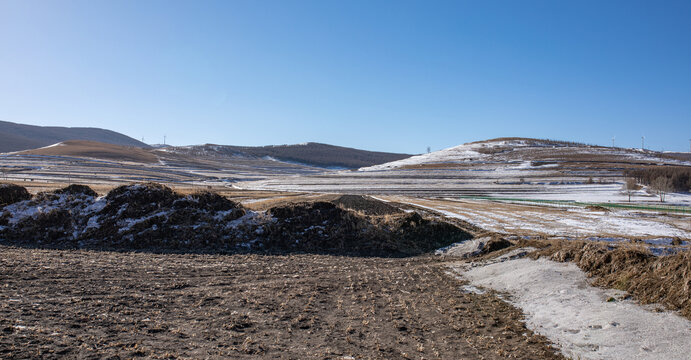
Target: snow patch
583,321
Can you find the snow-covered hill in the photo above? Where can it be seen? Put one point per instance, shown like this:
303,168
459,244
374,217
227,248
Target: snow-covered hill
505,167
526,153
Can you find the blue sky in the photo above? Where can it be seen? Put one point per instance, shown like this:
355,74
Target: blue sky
382,75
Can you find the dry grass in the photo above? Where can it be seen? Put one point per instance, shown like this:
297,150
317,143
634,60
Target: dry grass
97,150
35,187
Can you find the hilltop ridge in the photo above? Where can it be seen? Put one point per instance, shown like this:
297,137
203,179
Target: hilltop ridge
534,151
310,154
18,137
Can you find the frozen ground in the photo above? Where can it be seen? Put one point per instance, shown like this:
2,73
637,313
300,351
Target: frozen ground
535,184
172,169
583,321
570,222
518,168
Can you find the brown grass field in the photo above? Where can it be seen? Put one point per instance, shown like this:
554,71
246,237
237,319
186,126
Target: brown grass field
96,150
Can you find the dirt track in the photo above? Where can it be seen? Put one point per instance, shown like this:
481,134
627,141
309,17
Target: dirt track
83,304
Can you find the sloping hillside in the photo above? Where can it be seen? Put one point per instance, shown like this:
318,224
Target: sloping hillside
313,154
96,150
506,167
525,153
17,137
12,142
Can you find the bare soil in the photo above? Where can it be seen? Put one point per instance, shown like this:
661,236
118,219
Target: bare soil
109,305
366,204
10,194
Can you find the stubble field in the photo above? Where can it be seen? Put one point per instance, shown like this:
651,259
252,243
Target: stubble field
87,304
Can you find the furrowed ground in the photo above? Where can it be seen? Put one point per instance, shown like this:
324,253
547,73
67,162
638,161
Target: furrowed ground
90,304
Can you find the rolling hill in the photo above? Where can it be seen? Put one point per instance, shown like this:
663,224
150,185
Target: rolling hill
527,154
96,150
311,154
18,137
504,167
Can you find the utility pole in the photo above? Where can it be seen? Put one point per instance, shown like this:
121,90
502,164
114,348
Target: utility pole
642,142
164,139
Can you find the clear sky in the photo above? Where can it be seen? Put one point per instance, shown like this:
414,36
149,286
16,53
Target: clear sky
380,75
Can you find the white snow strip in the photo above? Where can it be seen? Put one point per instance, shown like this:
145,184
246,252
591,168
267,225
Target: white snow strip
560,304
461,153
50,146
127,224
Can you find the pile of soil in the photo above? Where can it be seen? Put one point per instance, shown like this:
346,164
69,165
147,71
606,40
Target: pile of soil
48,217
10,194
153,217
650,279
76,189
496,243
323,227
367,205
597,208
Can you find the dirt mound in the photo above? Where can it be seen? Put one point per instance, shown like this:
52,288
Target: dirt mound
650,279
49,217
153,217
137,200
10,194
414,234
496,244
75,189
323,227
367,205
143,216
597,208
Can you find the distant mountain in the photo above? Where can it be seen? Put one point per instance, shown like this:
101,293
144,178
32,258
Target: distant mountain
17,137
312,154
